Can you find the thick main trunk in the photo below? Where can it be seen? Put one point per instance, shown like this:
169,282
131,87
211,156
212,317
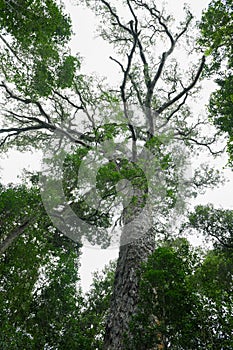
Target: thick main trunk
125,293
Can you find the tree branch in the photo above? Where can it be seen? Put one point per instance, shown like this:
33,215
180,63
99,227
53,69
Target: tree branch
185,91
68,100
15,233
106,3
12,50
41,124
26,101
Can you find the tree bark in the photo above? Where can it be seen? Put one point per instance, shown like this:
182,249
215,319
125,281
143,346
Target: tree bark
125,293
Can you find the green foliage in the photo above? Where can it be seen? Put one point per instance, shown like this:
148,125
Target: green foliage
35,23
221,109
214,278
73,190
109,174
184,303
38,276
215,224
221,104
34,36
66,72
18,204
166,302
217,37
214,283
96,307
41,305
182,291
217,30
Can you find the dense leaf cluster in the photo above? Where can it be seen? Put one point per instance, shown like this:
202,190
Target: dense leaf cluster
34,35
217,37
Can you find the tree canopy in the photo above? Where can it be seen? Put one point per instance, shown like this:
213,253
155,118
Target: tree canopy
114,172
34,36
217,33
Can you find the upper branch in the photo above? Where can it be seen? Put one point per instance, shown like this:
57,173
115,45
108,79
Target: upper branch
126,71
157,16
64,97
36,123
185,90
11,49
115,16
26,101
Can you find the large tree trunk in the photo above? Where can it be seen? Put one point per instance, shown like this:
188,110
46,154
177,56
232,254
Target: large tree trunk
125,294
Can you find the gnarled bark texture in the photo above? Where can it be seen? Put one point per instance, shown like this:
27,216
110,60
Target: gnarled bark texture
125,294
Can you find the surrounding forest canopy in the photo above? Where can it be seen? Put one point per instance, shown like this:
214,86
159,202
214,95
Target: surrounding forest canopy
130,143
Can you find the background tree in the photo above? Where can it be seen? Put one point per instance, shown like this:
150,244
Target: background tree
214,286
168,304
96,307
42,305
38,274
185,299
214,224
35,56
217,33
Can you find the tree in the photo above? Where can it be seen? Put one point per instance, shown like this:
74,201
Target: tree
214,277
185,299
182,292
167,303
159,92
143,84
217,31
96,307
214,284
38,274
35,56
41,302
214,224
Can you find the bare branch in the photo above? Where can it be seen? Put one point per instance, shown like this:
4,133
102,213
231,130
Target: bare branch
26,101
133,14
85,110
106,3
17,131
126,72
206,144
224,244
134,84
115,60
185,91
68,100
20,130
157,15
40,124
185,27
11,49
178,107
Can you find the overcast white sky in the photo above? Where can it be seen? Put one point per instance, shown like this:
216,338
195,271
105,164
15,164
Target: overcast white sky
95,53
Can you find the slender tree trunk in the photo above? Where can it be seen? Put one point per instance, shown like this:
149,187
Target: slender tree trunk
13,235
125,294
